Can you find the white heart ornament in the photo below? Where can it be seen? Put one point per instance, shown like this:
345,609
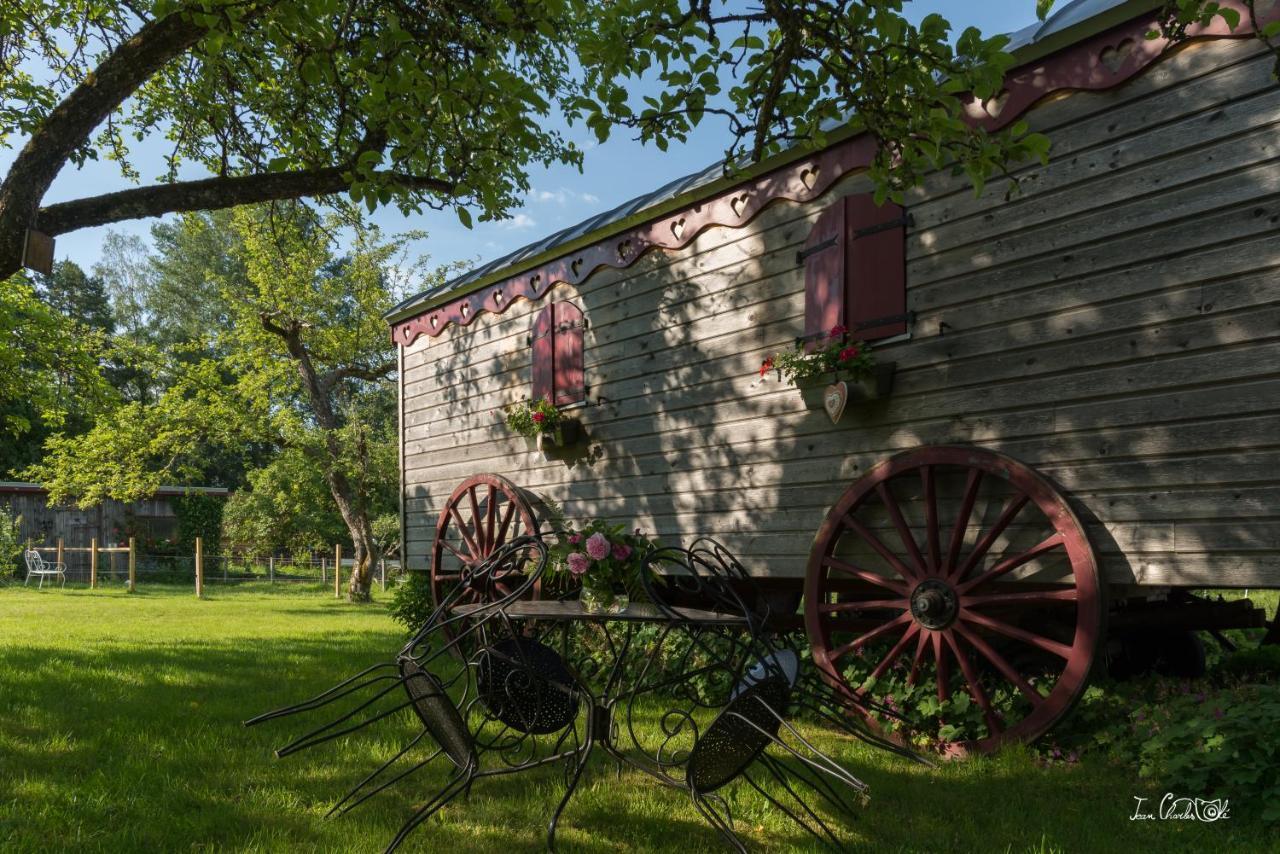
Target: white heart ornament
834,399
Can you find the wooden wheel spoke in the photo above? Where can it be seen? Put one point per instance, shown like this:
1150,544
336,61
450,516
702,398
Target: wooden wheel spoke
1006,669
1008,565
904,530
505,524
881,549
481,550
980,548
922,643
866,638
912,630
975,687
962,518
1000,626
862,605
490,515
942,667
1027,597
931,519
863,575
467,558
466,534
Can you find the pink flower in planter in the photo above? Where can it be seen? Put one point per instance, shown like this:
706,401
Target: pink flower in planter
621,551
575,538
579,563
849,353
598,546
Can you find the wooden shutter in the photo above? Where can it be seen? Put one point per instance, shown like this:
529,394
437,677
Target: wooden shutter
543,342
568,374
824,273
875,268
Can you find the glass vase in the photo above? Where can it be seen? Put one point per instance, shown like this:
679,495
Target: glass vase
598,598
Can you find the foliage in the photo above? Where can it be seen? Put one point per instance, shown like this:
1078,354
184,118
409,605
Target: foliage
1252,662
199,515
407,104
529,419
285,507
412,602
837,353
10,540
799,70
48,364
75,295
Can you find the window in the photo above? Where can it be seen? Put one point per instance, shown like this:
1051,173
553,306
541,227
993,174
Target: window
855,270
556,339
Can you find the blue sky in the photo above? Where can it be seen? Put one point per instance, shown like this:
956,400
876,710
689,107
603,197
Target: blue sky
618,170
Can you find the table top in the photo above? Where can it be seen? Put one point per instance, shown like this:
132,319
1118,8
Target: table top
636,612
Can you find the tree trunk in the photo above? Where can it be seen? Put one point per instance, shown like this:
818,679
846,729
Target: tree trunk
354,513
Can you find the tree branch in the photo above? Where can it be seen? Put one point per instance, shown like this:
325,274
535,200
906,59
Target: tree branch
210,194
373,374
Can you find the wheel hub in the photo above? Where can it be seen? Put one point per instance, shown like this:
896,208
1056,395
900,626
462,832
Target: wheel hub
934,604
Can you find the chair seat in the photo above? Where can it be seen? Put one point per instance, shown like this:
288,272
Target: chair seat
738,734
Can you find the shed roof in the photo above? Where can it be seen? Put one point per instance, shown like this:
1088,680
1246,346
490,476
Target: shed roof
1072,22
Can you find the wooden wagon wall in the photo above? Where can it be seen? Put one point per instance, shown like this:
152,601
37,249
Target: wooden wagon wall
1117,325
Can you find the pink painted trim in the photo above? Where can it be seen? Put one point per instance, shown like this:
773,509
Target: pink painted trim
1099,62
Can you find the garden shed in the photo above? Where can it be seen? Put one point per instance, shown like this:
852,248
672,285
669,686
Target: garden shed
1110,331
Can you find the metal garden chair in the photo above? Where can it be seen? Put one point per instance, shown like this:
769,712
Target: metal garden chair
41,568
733,696
492,699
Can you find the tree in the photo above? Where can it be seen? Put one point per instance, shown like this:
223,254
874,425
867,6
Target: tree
49,373
304,364
392,102
77,296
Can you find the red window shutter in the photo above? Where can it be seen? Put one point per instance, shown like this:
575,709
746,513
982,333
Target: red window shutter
824,273
543,340
568,381
875,267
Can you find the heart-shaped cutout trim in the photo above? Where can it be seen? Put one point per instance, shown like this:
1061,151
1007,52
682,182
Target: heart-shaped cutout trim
834,399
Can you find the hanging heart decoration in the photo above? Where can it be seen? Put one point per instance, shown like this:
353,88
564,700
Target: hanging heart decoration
834,399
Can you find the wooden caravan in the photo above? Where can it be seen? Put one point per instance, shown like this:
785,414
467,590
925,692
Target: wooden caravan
1074,412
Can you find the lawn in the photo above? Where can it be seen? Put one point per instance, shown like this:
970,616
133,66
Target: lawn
121,732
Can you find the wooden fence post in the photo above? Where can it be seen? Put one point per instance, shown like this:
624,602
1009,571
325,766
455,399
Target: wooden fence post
382,572
337,571
199,568
133,564
93,563
271,569
61,556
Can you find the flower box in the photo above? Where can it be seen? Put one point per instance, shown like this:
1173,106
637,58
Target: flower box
554,443
878,384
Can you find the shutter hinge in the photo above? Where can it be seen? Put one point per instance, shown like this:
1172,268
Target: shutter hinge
814,250
905,220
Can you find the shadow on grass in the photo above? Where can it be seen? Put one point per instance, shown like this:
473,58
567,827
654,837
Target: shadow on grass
141,748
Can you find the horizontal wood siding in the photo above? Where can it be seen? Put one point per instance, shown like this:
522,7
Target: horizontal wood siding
1116,324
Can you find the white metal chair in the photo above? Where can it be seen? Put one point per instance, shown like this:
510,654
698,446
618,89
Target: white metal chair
37,565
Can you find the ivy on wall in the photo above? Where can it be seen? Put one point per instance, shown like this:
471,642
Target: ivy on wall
198,515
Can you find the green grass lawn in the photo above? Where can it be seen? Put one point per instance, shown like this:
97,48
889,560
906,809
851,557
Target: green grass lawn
120,731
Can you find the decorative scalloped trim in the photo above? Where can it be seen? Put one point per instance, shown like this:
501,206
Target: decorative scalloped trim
1099,62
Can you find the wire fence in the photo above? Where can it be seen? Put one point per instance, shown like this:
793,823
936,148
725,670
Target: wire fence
131,566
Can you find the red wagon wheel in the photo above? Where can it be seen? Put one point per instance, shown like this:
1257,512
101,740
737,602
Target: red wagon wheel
484,512
950,571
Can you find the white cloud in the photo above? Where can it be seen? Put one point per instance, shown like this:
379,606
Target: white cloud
519,222
562,196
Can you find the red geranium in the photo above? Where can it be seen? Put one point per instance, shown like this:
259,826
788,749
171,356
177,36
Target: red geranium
539,417
838,330
849,353
766,366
